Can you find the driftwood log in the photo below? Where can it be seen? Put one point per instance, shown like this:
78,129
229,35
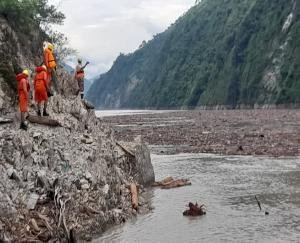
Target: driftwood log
5,120
177,183
170,182
163,182
134,196
43,120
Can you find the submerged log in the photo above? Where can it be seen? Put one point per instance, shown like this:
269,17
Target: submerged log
134,196
43,120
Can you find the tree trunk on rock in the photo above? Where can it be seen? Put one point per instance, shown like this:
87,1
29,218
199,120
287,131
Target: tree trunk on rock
44,121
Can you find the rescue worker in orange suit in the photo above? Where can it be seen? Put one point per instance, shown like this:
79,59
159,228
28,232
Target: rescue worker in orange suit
23,90
79,76
41,89
50,63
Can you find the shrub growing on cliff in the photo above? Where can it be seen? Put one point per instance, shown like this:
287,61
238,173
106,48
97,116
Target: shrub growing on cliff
28,15
31,21
28,12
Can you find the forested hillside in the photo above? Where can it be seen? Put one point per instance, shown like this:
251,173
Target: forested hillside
233,52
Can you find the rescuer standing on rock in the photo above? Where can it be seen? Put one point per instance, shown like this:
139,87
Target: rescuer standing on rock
23,90
41,89
79,76
50,63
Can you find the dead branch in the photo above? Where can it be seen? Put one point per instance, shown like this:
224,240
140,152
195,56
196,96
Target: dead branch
258,203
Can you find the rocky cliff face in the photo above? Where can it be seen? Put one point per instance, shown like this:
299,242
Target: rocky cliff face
60,182
229,53
17,51
73,177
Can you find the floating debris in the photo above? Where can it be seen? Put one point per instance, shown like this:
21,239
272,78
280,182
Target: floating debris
194,210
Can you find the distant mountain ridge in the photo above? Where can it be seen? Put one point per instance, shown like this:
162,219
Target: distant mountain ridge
231,53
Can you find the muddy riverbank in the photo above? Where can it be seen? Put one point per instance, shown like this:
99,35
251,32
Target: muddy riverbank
230,132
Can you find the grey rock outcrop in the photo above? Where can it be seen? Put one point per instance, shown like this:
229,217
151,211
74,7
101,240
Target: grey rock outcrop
145,175
75,175
57,180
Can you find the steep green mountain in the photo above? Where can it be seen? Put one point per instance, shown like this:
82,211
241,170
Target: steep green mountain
221,52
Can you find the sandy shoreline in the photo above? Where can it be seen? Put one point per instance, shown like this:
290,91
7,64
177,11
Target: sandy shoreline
234,132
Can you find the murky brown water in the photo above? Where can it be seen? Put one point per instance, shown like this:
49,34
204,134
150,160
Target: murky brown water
226,185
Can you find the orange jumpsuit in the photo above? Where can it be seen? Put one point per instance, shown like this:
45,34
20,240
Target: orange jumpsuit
40,85
49,62
23,89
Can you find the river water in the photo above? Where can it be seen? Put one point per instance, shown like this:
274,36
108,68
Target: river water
227,186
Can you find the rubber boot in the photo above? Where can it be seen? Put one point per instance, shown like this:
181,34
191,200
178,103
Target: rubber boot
39,113
49,93
45,113
23,126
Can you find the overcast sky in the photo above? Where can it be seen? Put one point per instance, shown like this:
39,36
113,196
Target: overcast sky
101,29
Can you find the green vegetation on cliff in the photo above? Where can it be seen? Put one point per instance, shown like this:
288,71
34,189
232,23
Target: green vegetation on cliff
231,52
24,25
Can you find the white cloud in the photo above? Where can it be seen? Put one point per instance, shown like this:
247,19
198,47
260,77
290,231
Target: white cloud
101,29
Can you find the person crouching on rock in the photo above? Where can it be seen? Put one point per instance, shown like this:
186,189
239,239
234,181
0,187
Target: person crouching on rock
79,76
41,89
23,90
